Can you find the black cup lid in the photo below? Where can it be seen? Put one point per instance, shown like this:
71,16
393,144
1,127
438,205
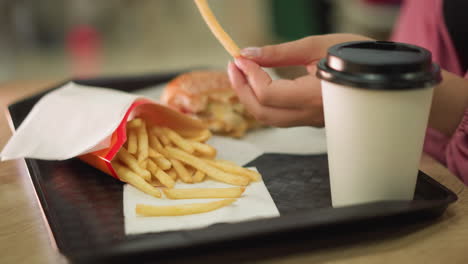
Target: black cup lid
380,65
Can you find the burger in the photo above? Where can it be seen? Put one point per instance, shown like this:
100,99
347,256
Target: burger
208,96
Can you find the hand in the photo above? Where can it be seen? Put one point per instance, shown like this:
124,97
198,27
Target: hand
284,103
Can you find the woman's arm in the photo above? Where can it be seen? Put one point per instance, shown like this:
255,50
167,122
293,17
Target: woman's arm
449,103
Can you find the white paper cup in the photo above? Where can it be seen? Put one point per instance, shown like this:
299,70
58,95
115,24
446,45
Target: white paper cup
376,107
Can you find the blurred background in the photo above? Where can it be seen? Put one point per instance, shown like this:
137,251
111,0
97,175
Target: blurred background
58,39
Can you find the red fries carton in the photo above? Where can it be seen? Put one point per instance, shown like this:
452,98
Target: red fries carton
153,114
87,122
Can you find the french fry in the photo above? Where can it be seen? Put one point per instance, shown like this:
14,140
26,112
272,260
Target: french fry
163,163
171,172
163,151
216,28
132,141
178,140
142,142
156,183
154,142
204,193
144,164
125,157
183,209
165,141
227,162
156,145
160,175
210,171
130,177
202,137
204,149
253,175
164,178
190,133
199,176
182,172
154,154
161,155
152,167
190,170
160,134
134,123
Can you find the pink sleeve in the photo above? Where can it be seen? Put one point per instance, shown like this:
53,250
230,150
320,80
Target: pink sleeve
422,23
453,152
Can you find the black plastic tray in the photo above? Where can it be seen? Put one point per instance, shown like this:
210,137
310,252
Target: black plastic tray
84,206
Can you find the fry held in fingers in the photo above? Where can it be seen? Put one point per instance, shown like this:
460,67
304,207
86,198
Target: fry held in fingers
183,209
216,28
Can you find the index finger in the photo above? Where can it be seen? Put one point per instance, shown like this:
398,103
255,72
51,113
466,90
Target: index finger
275,116
299,52
292,94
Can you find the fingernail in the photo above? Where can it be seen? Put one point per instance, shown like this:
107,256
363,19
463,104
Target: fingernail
251,52
238,63
229,66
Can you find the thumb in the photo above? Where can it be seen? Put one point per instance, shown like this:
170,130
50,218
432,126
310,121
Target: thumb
298,52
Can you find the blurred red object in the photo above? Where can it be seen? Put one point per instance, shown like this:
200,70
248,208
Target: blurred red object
83,45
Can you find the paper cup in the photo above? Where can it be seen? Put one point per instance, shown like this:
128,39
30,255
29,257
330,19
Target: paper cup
377,98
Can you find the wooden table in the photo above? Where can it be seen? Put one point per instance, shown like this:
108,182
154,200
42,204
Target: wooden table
24,235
